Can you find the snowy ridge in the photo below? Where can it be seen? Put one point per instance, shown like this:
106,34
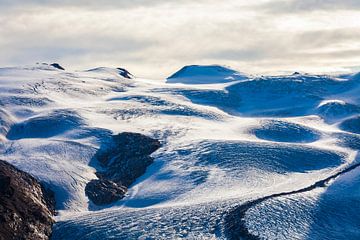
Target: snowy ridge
230,139
197,74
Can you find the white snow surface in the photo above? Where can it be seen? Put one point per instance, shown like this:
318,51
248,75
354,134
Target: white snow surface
212,156
206,74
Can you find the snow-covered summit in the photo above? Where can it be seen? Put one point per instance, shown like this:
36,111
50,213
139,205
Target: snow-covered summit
205,74
114,71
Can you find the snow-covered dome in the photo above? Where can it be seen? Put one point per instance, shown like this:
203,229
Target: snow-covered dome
205,74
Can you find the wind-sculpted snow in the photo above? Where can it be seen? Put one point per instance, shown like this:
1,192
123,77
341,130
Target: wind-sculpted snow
324,213
351,125
217,98
215,169
5,122
157,105
236,158
227,139
335,110
44,126
348,140
24,101
284,96
281,131
98,134
180,222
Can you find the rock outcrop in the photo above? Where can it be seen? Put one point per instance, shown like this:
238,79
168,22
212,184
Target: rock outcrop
124,159
26,206
102,191
58,66
125,73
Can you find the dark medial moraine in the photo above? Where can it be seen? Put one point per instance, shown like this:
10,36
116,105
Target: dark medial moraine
26,206
124,159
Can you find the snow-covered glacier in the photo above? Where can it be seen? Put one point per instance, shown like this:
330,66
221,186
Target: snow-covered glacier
241,156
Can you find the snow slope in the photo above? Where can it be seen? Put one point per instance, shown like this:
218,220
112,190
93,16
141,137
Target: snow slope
228,140
208,74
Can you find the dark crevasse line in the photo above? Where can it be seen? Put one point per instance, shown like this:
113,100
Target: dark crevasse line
234,222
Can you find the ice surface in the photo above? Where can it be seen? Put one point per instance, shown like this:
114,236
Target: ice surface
321,214
351,125
226,138
281,131
45,126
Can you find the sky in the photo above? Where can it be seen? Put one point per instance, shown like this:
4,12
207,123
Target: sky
154,38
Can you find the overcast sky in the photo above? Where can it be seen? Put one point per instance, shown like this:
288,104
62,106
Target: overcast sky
154,38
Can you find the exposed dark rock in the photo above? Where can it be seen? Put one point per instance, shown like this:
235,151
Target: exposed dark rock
125,73
58,66
124,159
104,192
26,206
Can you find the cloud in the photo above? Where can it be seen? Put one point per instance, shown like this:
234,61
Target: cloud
155,38
85,4
291,6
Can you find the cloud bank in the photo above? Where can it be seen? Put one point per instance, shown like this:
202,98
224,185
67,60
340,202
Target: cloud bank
154,38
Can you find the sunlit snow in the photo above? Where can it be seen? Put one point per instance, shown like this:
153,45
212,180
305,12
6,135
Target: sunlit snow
227,137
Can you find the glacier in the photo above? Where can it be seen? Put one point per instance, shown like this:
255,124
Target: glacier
227,139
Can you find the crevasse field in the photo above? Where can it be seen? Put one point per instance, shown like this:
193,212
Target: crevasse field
288,145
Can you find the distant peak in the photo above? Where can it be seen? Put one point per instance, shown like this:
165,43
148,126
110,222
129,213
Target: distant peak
118,71
49,67
205,74
58,66
125,73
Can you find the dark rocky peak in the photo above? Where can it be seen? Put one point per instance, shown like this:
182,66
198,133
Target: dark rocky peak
26,206
47,66
113,71
125,73
102,191
127,144
124,159
58,66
